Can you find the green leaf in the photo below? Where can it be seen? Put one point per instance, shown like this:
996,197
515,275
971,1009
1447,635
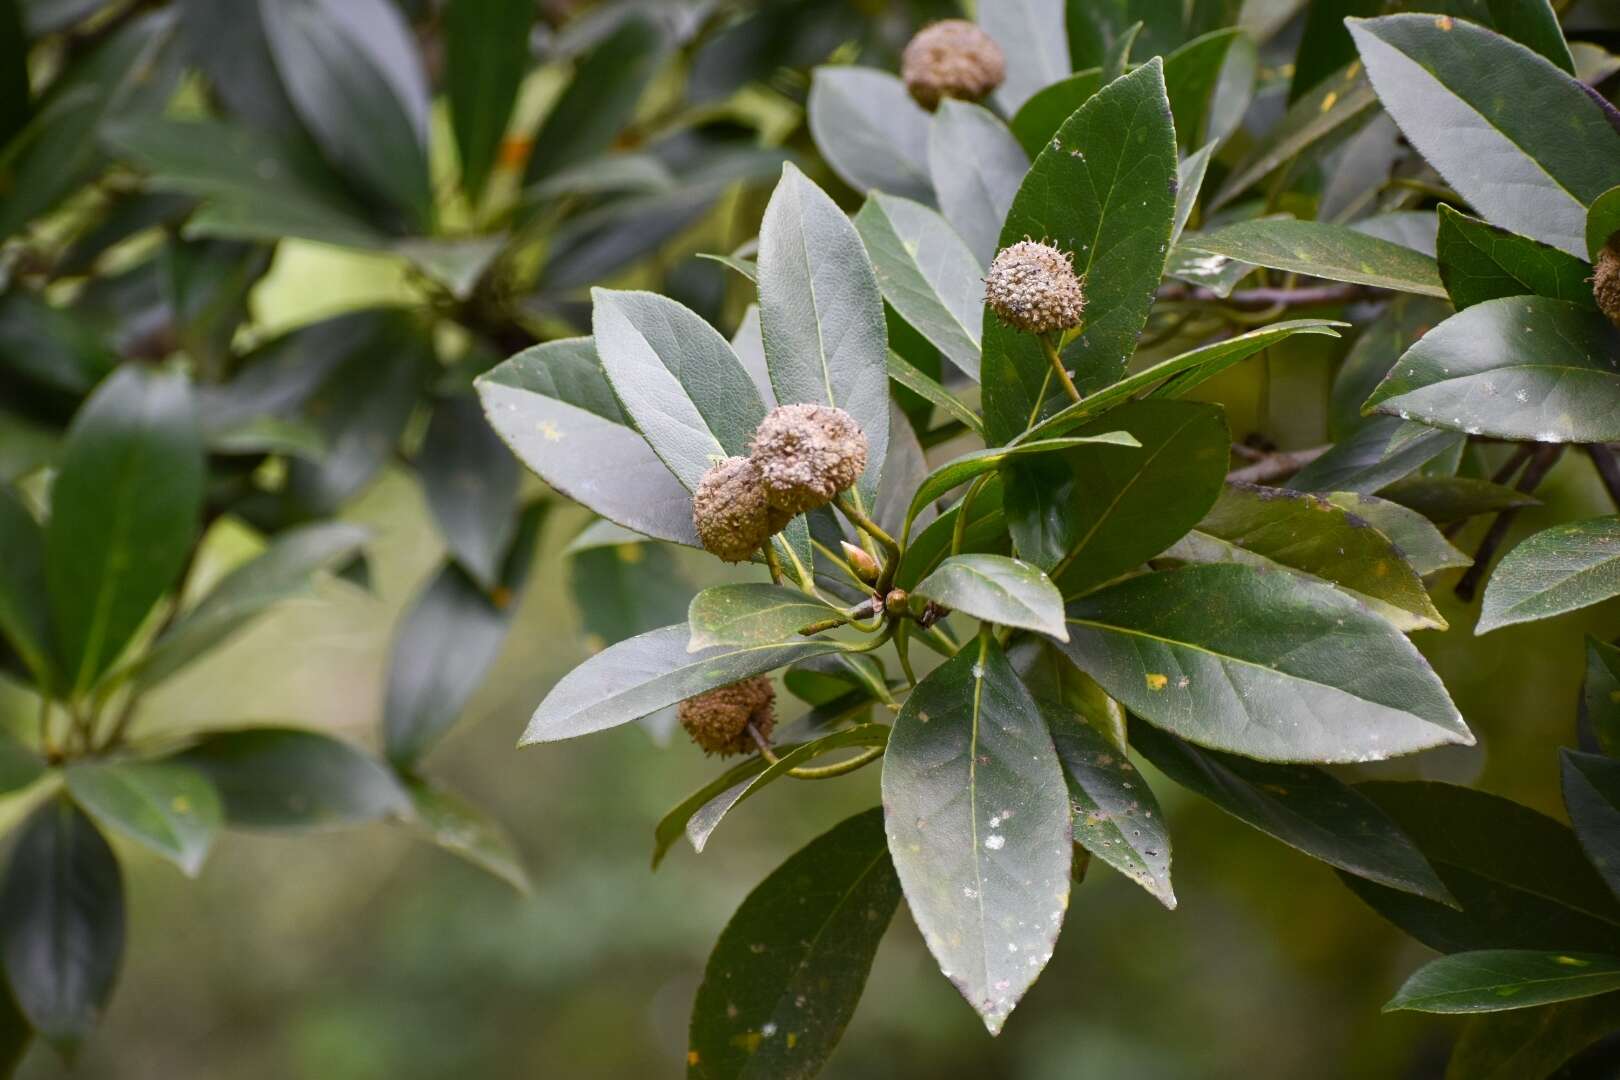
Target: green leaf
50,346
446,643
554,408
1306,808
227,42
62,923
124,512
703,820
1600,695
166,807
959,471
1270,527
1602,221
600,100
650,672
978,823
1480,262
486,55
870,131
1448,499
1118,56
25,616
822,314
1179,374
258,186
15,106
1592,796
350,68
1191,75
1087,517
1103,190
672,826
280,573
287,778
976,164
625,588
925,387
1316,248
752,613
677,378
1189,184
788,970
1530,22
927,273
470,481
1116,817
1520,877
1522,367
1375,456
1564,568
1039,118
985,530
452,823
1262,664
1423,545
1531,1042
1448,83
1032,38
1493,980
1325,45
1334,108
999,590
20,765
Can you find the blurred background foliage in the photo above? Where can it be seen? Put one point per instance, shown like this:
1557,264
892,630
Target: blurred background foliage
356,954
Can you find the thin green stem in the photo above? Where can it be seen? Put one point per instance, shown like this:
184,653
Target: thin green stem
1056,361
902,649
774,561
840,768
959,529
861,521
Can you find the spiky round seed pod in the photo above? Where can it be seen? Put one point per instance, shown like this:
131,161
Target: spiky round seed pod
806,454
718,719
1033,288
1606,280
730,512
951,58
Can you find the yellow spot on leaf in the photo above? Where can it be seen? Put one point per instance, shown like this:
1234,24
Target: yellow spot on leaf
180,804
1572,961
630,554
1445,22
792,1039
1155,681
692,1057
1331,100
549,432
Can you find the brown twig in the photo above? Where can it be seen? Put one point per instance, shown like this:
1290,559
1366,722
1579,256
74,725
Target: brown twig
1608,469
1276,466
1542,459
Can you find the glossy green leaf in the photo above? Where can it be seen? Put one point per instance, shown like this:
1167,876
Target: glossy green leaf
1492,980
1191,75
283,571
1263,664
927,274
62,923
486,54
470,480
1325,45
1189,184
926,387
788,970
1480,262
287,778
977,816
25,616
1032,38
600,100
752,613
20,764
350,68
975,463
1520,877
166,807
702,822
1319,249
1331,110
1103,190
985,530
1602,221
553,407
124,511
822,314
1423,545
672,826
1087,516
448,821
1592,797
1531,1042
227,42
998,590
1115,815
1448,499
1522,367
446,643
1564,568
1274,528
976,165
1306,808
49,346
652,671
1039,118
677,378
1475,104
870,131
626,589
1375,456
1600,695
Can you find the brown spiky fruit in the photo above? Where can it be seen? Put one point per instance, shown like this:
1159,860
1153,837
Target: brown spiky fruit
806,454
730,511
1606,280
951,58
1033,287
718,719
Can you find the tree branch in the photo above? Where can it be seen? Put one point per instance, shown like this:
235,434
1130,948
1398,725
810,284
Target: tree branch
1261,298
1543,458
1276,466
